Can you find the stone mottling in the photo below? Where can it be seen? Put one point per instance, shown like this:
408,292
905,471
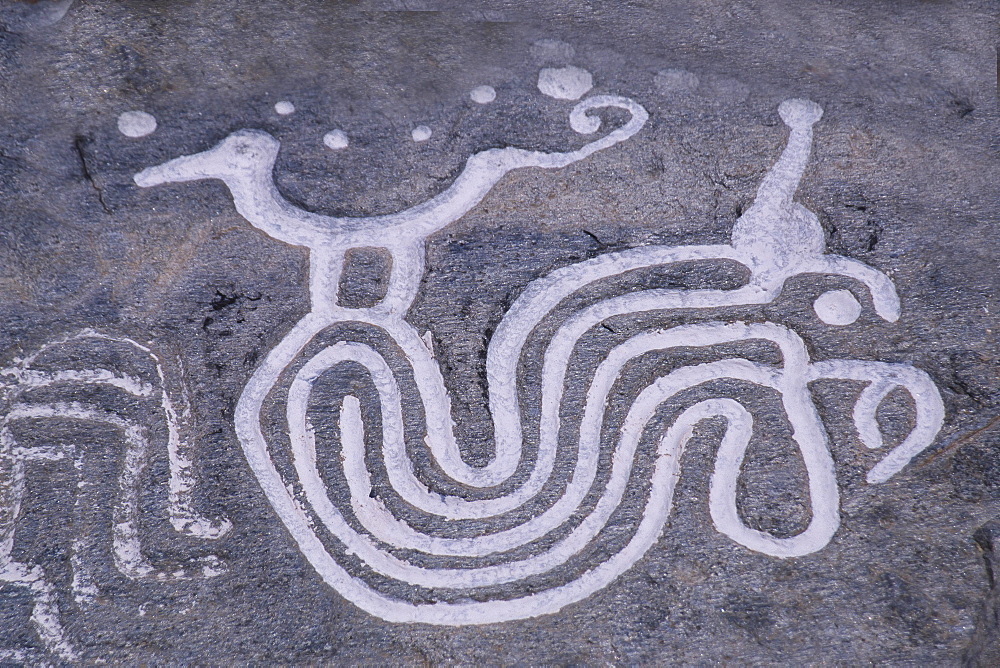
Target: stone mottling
903,177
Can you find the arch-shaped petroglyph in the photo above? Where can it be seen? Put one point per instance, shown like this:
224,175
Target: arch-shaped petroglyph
366,551
29,388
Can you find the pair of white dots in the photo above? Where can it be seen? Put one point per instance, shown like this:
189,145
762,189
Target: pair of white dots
335,140
479,95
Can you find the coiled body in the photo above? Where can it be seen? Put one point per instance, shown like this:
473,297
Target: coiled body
518,537
313,518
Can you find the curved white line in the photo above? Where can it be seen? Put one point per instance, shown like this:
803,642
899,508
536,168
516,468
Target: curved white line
926,398
775,239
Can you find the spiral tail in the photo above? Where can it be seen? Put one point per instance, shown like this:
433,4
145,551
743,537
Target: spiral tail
882,378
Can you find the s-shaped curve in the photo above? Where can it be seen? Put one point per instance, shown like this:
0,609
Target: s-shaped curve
776,239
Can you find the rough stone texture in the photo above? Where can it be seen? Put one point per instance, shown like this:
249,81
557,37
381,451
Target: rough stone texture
903,177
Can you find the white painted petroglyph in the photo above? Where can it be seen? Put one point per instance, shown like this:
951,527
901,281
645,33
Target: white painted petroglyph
126,548
421,133
244,162
837,307
45,609
483,94
775,239
284,108
336,140
136,123
85,592
565,83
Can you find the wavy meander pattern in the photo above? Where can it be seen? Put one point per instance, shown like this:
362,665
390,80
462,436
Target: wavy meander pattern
384,533
519,552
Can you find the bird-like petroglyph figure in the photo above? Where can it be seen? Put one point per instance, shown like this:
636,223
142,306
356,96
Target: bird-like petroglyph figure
245,159
455,575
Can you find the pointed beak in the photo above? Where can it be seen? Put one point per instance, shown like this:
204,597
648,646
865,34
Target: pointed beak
185,168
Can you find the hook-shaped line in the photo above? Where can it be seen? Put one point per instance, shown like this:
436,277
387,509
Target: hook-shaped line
244,161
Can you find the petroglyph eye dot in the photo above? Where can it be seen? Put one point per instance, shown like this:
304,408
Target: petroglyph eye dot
335,139
421,133
565,83
837,307
136,123
284,107
483,94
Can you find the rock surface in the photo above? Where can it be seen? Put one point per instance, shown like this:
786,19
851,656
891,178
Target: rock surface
190,298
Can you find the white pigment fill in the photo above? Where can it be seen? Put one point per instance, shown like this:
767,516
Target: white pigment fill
125,544
483,94
837,307
336,140
136,123
284,107
421,133
565,83
774,240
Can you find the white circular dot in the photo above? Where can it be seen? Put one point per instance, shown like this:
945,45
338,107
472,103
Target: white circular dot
421,133
335,139
136,123
483,94
565,83
284,107
837,307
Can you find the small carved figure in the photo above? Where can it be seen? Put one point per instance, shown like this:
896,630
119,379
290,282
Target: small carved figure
36,389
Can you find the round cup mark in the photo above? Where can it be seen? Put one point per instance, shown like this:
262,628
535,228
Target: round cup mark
336,140
483,94
837,307
565,83
421,133
136,123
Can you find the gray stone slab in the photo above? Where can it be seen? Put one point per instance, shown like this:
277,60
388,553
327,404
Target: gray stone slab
148,332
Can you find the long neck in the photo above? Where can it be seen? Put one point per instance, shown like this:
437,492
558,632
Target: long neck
780,183
257,199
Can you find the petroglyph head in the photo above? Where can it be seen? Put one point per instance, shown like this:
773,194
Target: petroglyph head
775,230
243,154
